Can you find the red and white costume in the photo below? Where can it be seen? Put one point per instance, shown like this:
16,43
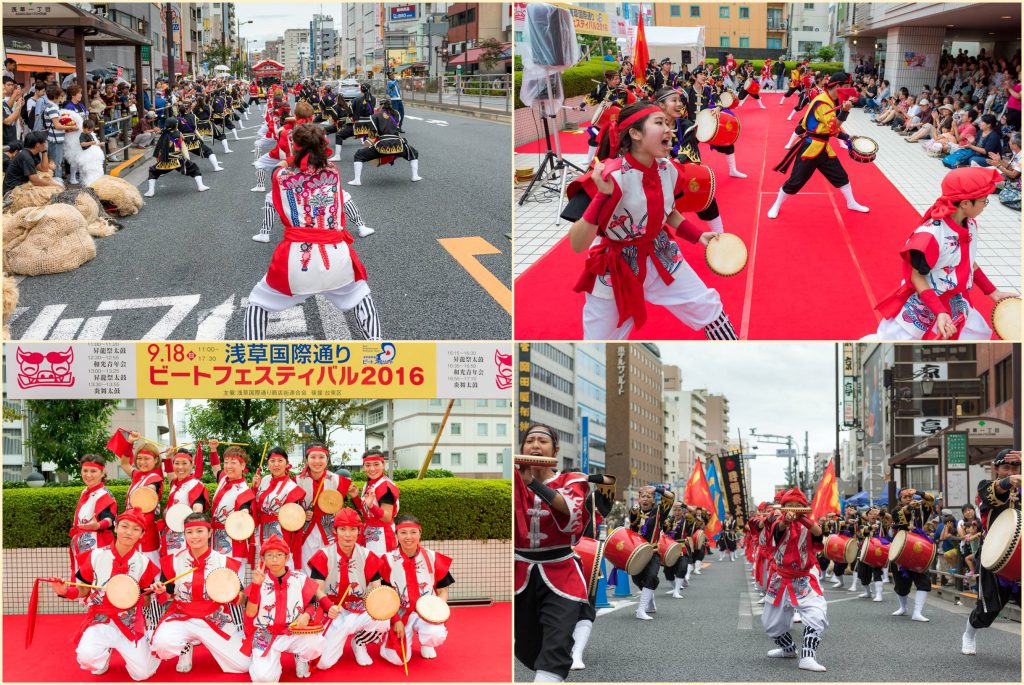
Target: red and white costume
355,572
318,531
229,497
91,503
189,491
793,580
271,495
154,480
280,602
634,260
193,617
378,536
107,628
414,577
541,530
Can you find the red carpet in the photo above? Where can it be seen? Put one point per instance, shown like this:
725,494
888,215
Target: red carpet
814,273
572,142
479,648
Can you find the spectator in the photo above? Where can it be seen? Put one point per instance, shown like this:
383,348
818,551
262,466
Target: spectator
10,68
609,56
10,150
14,100
29,164
1012,89
929,130
970,546
924,116
69,80
146,131
780,73
1009,194
28,114
988,142
54,129
949,542
74,101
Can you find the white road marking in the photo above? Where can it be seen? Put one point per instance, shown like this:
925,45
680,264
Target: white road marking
213,325
66,329
333,320
617,604
40,328
746,612
94,328
180,306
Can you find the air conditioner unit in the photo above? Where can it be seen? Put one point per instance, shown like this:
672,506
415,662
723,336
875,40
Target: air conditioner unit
816,29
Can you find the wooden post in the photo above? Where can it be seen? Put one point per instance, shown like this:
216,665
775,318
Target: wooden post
140,102
80,63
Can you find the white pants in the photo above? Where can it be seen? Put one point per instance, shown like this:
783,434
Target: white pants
975,328
345,297
313,544
265,145
686,297
266,667
430,635
172,636
266,162
93,651
341,629
812,608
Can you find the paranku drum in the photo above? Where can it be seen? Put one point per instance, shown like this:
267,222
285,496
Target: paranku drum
382,602
726,255
726,99
717,127
240,526
670,550
222,585
175,516
627,551
1006,318
144,499
590,552
874,553
433,609
698,187
841,549
863,149
122,591
912,551
330,501
292,517
1000,553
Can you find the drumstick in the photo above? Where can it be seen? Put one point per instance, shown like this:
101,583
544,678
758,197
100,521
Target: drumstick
340,602
320,489
61,580
405,662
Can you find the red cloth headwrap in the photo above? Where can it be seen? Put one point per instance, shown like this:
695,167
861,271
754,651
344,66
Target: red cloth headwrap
347,517
373,457
134,516
969,183
795,496
616,126
274,542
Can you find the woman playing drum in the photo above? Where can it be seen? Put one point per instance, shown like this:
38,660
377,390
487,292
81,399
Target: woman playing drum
940,267
232,495
870,574
314,480
95,512
632,258
146,473
916,507
699,96
274,491
187,490
377,503
386,127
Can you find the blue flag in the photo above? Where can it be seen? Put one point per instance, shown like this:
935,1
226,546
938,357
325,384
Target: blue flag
716,491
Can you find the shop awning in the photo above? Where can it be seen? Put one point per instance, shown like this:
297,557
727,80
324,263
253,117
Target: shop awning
41,63
410,65
472,56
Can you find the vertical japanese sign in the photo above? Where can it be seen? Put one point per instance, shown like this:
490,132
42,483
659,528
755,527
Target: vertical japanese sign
730,469
956,492
585,445
523,388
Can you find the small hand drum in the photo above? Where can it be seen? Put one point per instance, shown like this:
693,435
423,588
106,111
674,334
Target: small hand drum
222,585
176,515
433,609
330,501
863,149
1006,318
382,602
726,255
292,517
122,591
144,499
312,629
240,526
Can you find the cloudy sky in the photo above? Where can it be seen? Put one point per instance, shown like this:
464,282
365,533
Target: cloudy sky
782,389
271,19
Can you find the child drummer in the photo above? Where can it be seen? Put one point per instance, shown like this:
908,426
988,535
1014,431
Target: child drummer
403,568
107,628
346,571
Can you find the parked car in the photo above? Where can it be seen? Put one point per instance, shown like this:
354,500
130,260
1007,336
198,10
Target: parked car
348,88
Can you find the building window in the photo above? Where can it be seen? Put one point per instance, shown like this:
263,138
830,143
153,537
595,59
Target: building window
744,13
481,403
456,429
723,41
436,459
456,459
723,12
434,427
774,43
375,416
695,10
983,380
500,458
675,10
481,458
500,430
1004,381
481,430
435,403
744,42
808,5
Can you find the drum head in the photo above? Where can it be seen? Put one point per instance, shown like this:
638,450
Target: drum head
707,125
382,603
144,499
433,609
122,591
223,585
897,544
726,100
1006,318
851,551
672,554
864,145
292,517
175,516
726,255
330,501
598,111
864,550
240,526
1001,540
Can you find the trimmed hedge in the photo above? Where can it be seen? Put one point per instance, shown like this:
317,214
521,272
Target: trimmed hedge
449,509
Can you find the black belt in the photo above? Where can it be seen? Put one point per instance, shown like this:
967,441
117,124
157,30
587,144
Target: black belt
790,157
541,556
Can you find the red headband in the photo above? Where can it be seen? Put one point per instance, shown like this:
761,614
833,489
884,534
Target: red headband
133,516
373,457
92,464
274,543
317,449
626,123
347,517
149,452
408,524
198,524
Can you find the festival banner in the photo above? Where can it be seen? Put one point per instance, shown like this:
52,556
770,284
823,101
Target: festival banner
730,468
698,494
269,370
523,388
716,491
826,495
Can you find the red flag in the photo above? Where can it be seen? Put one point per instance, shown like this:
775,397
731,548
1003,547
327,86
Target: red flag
641,56
198,470
826,496
119,445
698,494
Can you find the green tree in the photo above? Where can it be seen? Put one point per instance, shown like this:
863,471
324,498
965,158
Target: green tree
218,53
492,50
826,53
316,418
62,431
251,421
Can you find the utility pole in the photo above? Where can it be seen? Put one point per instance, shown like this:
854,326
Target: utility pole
169,26
807,461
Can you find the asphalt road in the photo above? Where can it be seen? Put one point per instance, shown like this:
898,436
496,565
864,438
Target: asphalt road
184,266
714,634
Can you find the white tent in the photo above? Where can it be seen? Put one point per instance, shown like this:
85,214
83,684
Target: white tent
672,42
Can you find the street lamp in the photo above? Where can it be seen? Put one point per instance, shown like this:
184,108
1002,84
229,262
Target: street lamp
238,33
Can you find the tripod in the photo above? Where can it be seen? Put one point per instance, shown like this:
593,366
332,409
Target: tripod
552,157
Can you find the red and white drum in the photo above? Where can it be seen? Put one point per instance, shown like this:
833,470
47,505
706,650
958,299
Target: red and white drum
717,127
590,552
698,540
874,553
841,549
726,99
1000,553
912,551
752,86
698,187
627,551
670,550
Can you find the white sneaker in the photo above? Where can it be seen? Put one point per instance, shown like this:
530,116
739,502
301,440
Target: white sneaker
202,188
917,616
428,652
258,189
808,663
149,193
220,168
642,615
577,665
391,656
857,207
355,183
675,594
261,238
968,645
301,668
364,230
361,655
780,653
899,612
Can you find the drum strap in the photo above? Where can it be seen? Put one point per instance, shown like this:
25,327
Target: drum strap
412,583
